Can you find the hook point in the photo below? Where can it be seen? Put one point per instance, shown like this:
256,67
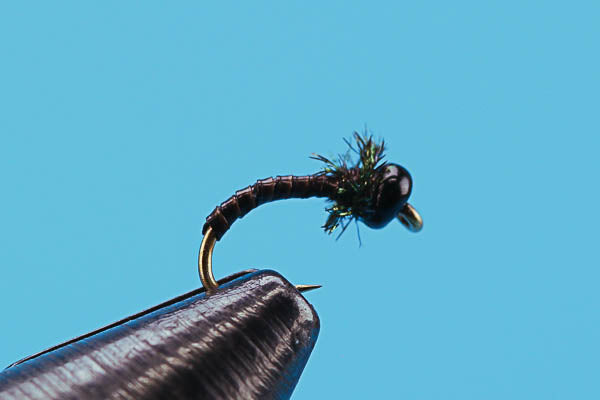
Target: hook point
306,288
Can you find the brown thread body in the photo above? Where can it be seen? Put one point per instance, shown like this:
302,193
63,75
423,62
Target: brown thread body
265,191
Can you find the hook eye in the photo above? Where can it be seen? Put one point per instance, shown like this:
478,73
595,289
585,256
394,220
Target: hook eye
410,218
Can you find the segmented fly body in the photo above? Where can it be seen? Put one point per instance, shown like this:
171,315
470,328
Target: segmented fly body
265,191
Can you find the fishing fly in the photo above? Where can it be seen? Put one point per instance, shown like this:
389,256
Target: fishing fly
371,191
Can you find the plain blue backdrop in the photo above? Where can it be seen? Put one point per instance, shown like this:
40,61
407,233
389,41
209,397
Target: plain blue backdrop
124,123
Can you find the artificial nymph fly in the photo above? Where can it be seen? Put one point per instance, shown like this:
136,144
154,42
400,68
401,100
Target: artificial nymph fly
371,191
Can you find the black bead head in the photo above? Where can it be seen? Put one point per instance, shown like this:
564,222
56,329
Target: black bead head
390,195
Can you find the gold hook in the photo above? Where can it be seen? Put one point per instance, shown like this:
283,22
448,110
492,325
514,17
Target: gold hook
205,261
410,218
205,265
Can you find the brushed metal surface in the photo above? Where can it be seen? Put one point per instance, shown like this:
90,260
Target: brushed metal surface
249,340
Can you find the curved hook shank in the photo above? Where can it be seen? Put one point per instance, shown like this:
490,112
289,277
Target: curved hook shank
205,261
205,265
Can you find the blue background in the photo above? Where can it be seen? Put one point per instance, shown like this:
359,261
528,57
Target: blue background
124,124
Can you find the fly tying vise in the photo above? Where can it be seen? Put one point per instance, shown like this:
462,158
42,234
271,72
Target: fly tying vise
372,191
